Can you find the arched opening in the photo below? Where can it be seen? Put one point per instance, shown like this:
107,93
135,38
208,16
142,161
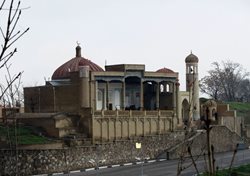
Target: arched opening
185,111
167,88
166,96
150,91
133,92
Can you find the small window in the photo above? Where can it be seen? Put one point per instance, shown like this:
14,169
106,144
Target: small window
161,88
167,87
192,69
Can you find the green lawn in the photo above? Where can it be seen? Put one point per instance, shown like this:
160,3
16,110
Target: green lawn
243,110
243,170
24,135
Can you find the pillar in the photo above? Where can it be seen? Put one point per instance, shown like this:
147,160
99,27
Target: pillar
174,97
157,95
142,96
107,95
123,95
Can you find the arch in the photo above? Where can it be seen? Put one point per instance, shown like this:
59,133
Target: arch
185,111
161,88
166,96
150,93
133,93
167,87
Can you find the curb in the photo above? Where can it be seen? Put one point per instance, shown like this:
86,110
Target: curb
102,167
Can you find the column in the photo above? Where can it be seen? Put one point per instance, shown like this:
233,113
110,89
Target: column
95,95
174,96
157,95
107,95
123,95
142,96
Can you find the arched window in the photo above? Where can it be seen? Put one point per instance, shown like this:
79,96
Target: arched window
161,88
191,69
167,88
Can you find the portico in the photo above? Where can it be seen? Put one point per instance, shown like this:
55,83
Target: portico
130,87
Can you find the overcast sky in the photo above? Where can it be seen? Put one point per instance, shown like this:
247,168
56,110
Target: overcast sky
157,33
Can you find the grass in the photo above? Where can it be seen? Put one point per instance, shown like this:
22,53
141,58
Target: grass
25,135
243,170
243,110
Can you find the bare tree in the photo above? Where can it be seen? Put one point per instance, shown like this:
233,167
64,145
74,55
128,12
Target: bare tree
10,13
9,36
244,91
224,81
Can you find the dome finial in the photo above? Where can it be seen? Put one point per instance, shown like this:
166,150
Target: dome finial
78,50
191,52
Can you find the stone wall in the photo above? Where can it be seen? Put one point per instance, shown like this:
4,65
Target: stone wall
63,160
222,138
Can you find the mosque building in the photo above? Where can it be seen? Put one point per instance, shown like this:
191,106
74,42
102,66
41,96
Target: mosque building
121,101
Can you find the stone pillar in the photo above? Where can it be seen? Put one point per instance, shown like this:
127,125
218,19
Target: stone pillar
157,95
142,96
84,86
123,95
174,97
94,106
107,95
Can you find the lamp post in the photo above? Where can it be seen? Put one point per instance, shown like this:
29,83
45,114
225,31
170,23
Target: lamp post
138,146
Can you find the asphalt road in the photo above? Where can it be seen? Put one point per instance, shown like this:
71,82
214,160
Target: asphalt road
167,168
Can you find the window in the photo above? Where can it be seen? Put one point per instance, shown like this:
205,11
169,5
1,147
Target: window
167,87
161,88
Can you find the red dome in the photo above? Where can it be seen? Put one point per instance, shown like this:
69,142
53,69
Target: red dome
72,65
165,70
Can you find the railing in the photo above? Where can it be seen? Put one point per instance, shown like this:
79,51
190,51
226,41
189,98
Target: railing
133,113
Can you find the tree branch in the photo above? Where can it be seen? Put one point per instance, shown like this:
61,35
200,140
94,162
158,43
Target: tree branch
1,7
10,85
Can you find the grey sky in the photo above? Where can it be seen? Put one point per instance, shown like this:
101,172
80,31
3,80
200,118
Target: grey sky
157,33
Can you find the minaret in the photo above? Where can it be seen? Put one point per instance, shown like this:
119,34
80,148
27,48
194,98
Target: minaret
84,82
192,85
